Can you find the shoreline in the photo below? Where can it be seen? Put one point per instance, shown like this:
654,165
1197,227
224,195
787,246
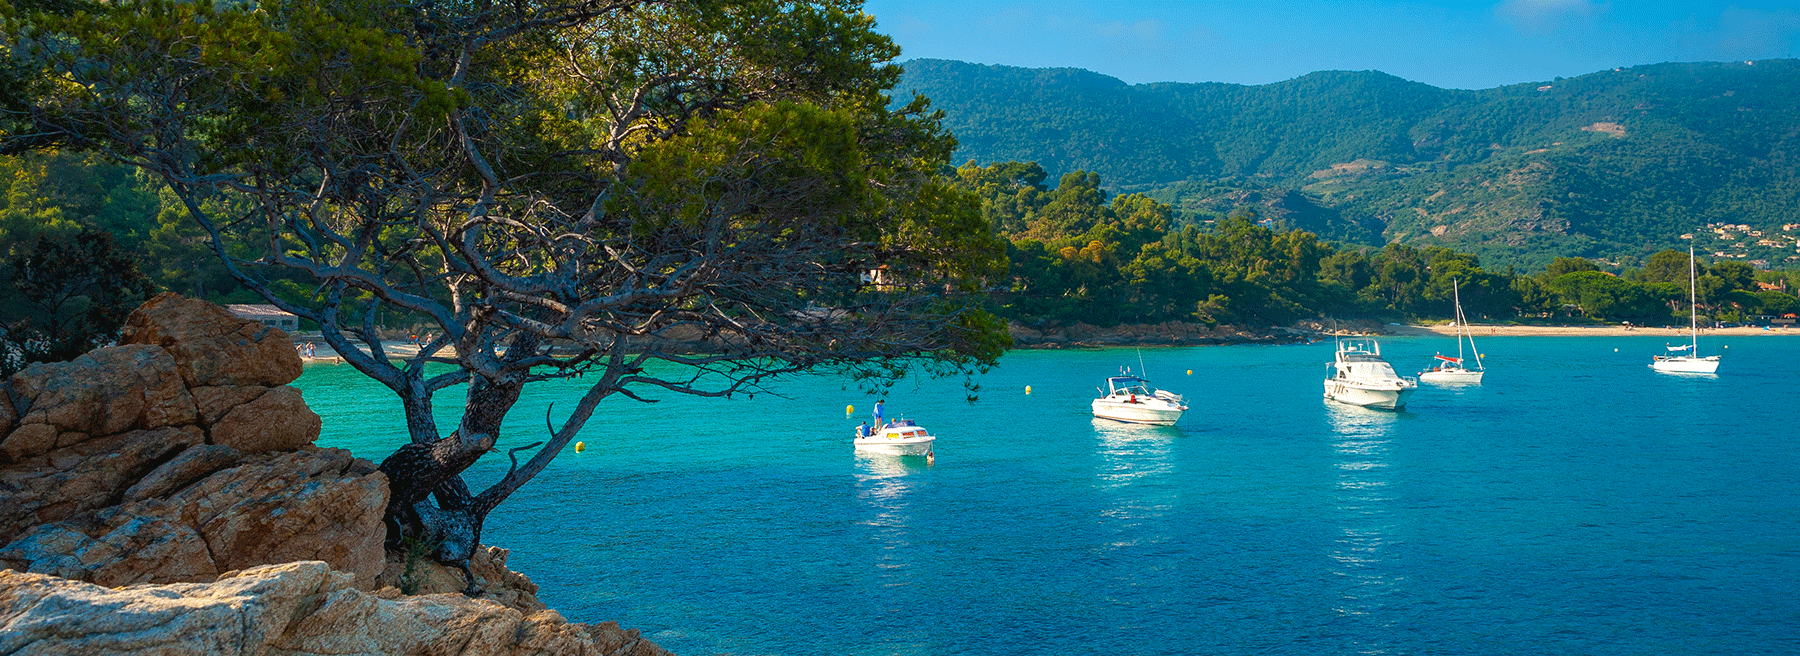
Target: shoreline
1084,336
1501,330
1172,334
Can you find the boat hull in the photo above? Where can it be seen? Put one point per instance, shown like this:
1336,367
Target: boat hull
1383,398
1683,364
895,447
1138,413
1463,377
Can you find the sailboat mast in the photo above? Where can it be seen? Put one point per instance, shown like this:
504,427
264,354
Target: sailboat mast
1461,324
1693,307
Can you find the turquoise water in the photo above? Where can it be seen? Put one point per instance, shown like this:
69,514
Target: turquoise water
1577,503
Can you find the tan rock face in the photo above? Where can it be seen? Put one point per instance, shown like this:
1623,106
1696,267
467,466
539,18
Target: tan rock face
8,416
322,505
27,441
278,420
211,510
82,477
106,391
177,457
214,401
193,464
302,609
210,346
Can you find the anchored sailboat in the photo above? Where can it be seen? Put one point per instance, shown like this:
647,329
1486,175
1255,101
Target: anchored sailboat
1453,370
1690,361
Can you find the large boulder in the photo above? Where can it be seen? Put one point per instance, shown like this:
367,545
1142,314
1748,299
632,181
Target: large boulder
293,609
211,510
212,347
178,455
104,392
277,420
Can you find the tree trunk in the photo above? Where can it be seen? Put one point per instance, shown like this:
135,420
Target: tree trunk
420,469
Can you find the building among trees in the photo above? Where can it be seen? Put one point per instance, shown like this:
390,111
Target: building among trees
265,314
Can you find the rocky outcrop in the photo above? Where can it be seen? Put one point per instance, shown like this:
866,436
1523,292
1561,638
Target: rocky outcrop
177,455
212,347
293,609
164,496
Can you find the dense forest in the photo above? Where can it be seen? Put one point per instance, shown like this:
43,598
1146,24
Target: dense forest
1612,166
1080,254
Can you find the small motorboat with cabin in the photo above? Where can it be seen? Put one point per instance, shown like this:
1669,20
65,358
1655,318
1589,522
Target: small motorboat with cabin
900,437
1360,377
1132,400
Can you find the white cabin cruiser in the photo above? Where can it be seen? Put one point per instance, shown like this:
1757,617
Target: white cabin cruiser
1689,362
1360,377
900,437
1132,400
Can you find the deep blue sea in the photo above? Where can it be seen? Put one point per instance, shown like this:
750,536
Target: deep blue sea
1576,503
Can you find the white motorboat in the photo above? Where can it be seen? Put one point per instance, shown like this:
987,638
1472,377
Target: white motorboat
1360,377
1455,370
900,437
1132,400
1689,362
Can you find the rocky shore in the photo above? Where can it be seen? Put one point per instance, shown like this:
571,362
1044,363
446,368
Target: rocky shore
164,496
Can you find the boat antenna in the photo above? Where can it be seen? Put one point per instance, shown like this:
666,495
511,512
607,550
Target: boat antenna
1141,370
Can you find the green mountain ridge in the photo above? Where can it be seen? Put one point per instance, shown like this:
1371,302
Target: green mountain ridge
1612,165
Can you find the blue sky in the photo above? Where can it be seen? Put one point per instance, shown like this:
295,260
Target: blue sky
1467,45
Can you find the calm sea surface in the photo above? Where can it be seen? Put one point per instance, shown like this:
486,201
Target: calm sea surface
1577,503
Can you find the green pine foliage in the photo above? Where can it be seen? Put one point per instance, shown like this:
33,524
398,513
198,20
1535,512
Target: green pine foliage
1080,254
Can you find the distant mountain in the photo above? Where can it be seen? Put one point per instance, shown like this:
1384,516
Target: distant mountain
1612,165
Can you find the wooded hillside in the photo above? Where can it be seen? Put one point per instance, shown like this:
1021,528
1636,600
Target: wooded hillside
1614,165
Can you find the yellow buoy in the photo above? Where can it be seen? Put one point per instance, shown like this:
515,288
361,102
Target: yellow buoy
1190,372
1027,389
849,409
580,446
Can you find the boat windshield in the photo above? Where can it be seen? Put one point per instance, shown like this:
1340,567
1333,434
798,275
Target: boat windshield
1130,385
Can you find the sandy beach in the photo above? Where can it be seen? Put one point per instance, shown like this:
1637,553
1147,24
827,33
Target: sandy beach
1585,331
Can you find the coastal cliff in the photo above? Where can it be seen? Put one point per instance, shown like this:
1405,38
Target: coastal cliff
164,495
